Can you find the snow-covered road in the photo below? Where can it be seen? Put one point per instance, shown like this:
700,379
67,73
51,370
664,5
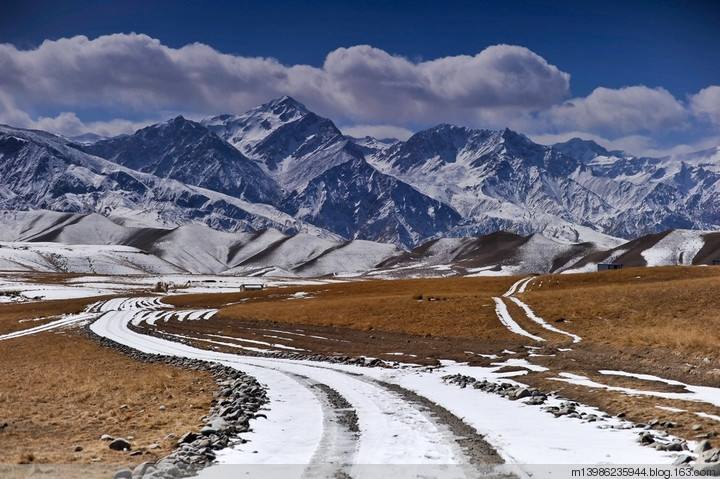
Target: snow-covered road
392,428
299,428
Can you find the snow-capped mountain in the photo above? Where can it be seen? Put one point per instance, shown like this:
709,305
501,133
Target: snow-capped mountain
501,180
496,180
282,166
648,195
291,143
187,151
326,178
39,170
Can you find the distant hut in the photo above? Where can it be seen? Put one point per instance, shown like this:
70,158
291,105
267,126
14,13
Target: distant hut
716,262
609,266
252,287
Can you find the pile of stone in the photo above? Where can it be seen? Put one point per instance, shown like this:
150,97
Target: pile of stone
707,458
657,439
507,390
238,399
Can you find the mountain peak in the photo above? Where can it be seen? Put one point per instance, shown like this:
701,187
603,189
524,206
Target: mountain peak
583,150
284,105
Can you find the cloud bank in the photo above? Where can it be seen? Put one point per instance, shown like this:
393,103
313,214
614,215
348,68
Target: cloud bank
131,76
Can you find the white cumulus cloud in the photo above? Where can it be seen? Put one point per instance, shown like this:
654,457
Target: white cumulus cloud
706,103
134,72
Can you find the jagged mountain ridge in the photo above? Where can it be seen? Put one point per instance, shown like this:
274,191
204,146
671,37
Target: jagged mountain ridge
502,180
39,170
186,151
288,148
296,169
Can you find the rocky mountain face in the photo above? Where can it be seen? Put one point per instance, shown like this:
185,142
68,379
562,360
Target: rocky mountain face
353,199
282,166
502,180
293,145
43,171
186,151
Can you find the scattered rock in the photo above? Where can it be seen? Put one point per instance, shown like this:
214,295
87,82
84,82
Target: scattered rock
106,437
711,455
213,427
522,393
78,448
162,407
696,427
239,398
646,438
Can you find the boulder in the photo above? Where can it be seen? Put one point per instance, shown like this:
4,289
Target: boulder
120,444
522,393
215,425
701,447
682,459
124,473
187,438
142,469
711,455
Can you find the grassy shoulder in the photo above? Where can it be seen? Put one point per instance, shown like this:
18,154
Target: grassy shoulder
61,391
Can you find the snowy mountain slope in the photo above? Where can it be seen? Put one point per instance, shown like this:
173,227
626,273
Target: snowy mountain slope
502,180
42,171
651,194
356,256
52,241
497,252
669,248
495,180
189,152
325,177
281,166
65,228
196,248
287,253
54,257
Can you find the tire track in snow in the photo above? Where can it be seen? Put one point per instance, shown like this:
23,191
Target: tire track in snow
534,317
65,321
506,319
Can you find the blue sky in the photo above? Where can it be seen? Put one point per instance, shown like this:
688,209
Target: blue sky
549,69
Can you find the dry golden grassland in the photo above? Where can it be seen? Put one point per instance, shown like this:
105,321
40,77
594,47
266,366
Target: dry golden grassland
450,307
672,308
18,316
61,391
